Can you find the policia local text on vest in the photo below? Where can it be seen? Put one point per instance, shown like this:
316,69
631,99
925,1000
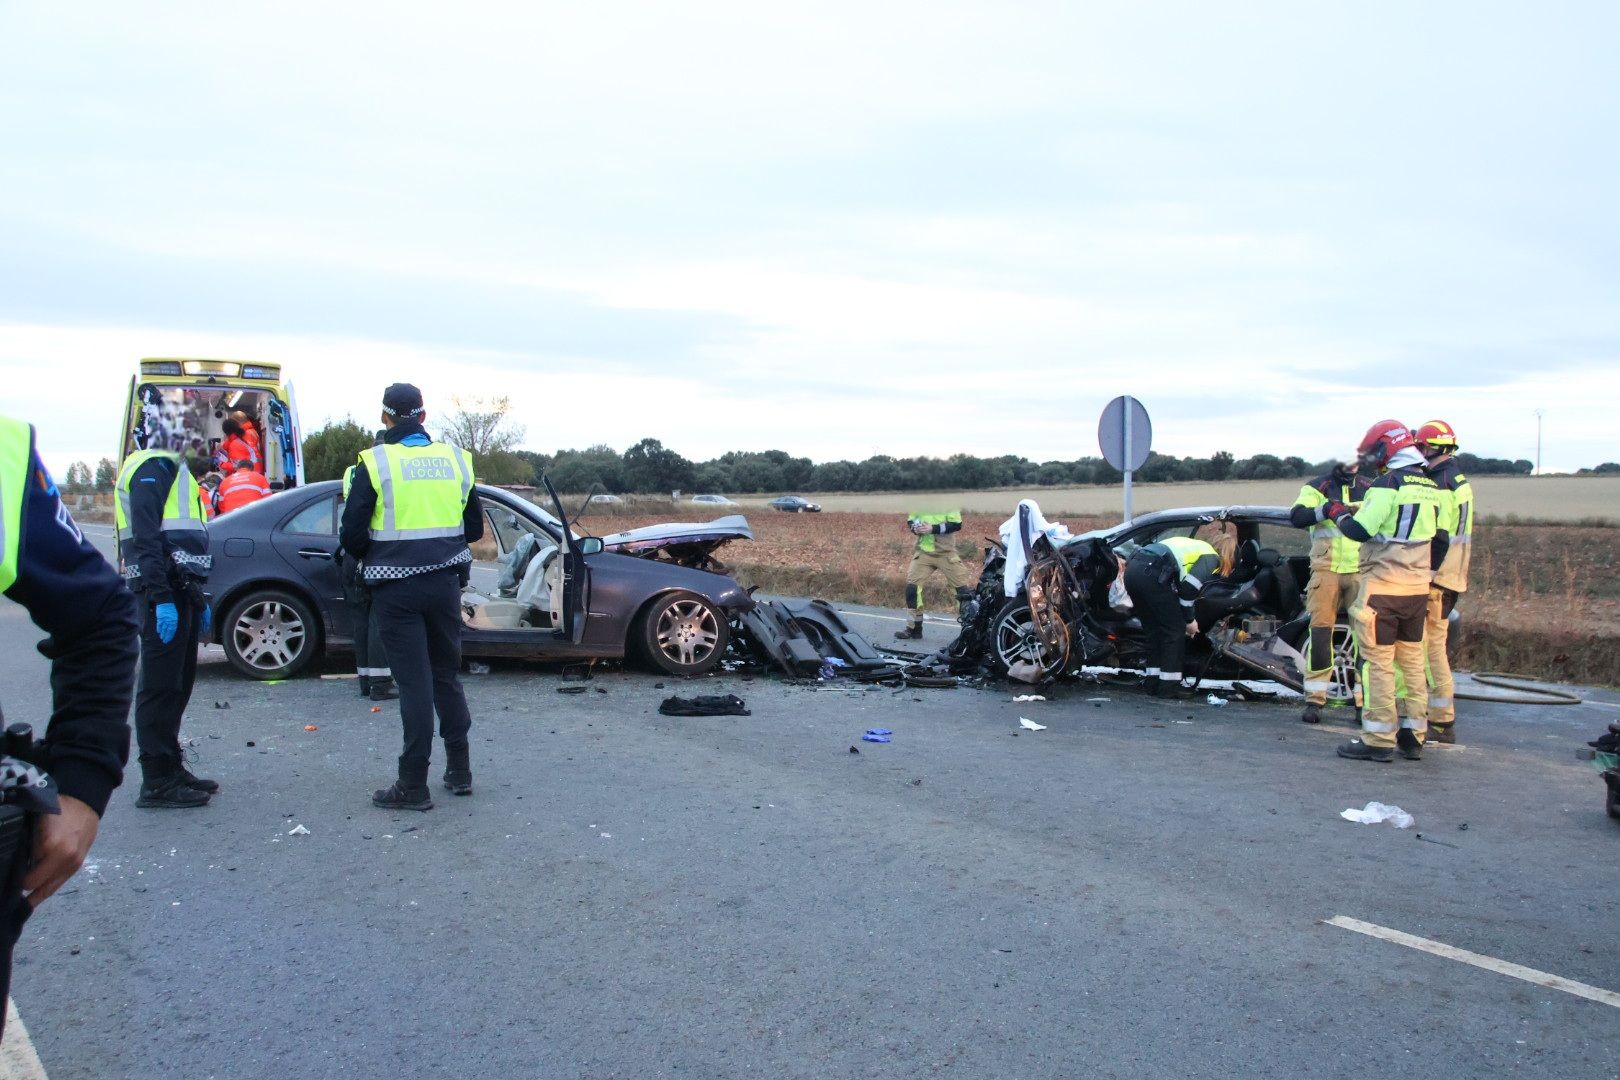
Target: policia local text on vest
410,515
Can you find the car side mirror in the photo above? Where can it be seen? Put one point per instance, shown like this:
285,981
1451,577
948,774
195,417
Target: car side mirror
590,545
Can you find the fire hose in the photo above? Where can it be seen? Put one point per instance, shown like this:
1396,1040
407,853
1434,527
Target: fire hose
1521,694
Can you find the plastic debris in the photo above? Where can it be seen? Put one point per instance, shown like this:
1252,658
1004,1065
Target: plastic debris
298,830
1214,700
878,734
572,689
311,727
474,667
222,704
1375,813
708,705
376,708
854,749
1029,697
1030,725
1098,700
341,675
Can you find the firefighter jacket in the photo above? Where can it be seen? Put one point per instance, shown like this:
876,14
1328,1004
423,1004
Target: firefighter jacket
1457,519
1331,551
941,534
1399,528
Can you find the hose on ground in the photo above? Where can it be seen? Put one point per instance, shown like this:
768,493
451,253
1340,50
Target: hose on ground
1521,695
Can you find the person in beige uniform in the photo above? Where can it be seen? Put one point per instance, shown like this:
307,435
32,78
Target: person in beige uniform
1335,573
935,554
1438,444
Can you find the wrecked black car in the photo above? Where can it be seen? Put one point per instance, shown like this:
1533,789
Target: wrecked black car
1061,619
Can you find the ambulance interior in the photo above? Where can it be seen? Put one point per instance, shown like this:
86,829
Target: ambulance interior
189,420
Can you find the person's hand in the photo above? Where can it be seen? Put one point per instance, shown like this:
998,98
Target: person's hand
61,843
1192,628
168,622
205,622
1334,510
920,528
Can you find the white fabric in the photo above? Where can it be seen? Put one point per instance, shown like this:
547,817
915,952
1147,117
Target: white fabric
1402,458
532,591
1017,566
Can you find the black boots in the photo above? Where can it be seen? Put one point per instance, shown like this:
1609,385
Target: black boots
1442,733
1312,713
1407,743
1169,689
458,770
1356,750
399,796
166,785
910,633
192,781
382,690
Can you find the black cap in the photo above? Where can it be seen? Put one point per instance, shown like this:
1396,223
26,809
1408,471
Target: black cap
402,400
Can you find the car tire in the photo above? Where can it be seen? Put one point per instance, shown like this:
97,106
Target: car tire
270,634
683,634
1013,638
1346,665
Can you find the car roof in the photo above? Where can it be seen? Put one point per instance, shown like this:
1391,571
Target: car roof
1274,515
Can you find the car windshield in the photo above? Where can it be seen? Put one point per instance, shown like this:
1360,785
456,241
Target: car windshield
545,516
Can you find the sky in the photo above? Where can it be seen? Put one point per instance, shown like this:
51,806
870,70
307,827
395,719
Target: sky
836,229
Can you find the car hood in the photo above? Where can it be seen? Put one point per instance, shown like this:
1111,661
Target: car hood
716,532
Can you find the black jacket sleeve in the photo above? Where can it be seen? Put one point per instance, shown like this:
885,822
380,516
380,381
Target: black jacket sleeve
77,598
1352,529
354,533
1438,548
143,551
472,519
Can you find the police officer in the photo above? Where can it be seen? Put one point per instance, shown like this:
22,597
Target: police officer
75,597
1398,527
1438,443
370,655
935,553
1335,572
1163,579
163,549
410,515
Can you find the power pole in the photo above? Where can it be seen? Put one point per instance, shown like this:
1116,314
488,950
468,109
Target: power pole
1539,414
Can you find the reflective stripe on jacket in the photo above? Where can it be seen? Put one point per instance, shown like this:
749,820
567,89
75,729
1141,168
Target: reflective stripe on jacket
940,526
16,449
1332,551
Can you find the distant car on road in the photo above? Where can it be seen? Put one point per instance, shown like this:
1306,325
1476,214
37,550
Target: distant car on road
712,500
605,499
652,593
794,504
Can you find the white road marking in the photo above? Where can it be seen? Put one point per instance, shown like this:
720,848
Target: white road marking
1604,704
895,618
17,1058
1486,963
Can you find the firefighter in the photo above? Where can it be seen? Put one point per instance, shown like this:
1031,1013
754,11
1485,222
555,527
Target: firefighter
1163,579
70,592
1398,527
1335,570
410,515
1438,443
935,553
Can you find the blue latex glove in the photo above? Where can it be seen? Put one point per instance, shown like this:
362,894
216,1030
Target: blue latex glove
168,622
207,622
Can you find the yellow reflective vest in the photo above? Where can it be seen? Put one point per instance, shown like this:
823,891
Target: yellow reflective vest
181,546
1457,519
16,450
422,492
938,539
1332,551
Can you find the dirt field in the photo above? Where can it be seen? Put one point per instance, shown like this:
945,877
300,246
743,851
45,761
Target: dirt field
1544,498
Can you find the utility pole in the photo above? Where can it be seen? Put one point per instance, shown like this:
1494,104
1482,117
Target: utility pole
1539,414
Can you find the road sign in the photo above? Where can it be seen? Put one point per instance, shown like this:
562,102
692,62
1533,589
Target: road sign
1125,435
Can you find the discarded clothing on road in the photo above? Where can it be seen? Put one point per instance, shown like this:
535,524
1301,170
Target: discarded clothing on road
709,705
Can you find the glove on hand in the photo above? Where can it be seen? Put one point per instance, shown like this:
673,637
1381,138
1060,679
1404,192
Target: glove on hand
1334,510
168,622
206,620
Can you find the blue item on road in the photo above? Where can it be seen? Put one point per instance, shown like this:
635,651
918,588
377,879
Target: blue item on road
879,734
168,622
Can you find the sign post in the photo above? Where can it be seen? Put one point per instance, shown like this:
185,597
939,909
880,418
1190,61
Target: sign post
1125,435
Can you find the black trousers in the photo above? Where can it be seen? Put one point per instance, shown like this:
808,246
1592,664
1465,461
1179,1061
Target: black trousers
370,654
1152,582
16,843
163,688
420,619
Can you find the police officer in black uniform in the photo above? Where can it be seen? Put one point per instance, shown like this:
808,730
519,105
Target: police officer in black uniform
410,515
73,595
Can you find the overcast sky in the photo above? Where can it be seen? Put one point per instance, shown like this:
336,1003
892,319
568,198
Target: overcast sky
836,229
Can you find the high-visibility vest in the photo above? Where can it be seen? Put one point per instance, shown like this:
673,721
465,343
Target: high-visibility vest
1402,507
348,481
1457,518
1196,560
422,492
16,451
1331,550
240,488
183,510
929,542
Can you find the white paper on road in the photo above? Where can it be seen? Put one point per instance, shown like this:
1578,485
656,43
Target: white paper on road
1375,813
1029,697
1030,725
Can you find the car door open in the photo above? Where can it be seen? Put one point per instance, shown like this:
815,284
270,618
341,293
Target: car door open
576,576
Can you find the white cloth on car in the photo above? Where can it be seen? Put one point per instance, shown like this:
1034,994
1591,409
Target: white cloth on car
1036,525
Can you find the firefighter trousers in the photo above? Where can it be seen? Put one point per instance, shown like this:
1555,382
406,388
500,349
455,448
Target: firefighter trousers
924,565
1436,638
1389,635
1326,594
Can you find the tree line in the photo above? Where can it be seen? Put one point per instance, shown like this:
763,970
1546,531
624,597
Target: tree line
482,426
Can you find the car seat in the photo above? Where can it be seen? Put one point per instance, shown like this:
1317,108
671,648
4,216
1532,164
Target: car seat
537,596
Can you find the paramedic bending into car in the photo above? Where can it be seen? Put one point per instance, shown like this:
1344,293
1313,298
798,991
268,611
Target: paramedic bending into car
410,515
1163,580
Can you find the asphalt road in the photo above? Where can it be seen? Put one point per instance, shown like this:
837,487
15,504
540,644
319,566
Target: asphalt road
1136,890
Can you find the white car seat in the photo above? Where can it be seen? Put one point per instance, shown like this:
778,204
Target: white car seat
536,591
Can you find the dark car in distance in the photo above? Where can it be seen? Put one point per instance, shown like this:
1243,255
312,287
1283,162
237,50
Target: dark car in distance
794,504
552,593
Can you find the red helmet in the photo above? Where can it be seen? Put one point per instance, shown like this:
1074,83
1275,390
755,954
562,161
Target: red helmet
1383,441
1438,434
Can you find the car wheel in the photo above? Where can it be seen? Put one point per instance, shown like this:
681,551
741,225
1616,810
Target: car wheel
270,635
1346,662
1016,640
683,634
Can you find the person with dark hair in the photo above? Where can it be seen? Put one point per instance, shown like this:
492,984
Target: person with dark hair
410,515
235,447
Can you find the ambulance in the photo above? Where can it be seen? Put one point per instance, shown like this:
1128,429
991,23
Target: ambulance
181,405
